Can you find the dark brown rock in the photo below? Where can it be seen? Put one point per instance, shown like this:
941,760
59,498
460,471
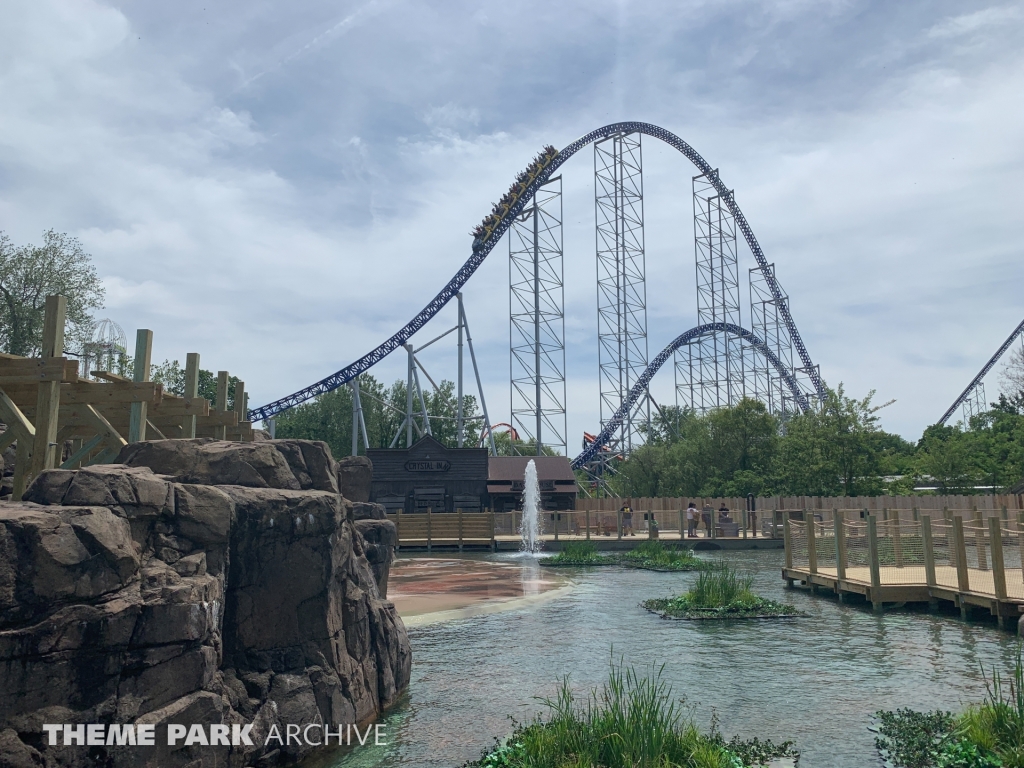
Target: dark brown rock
355,473
201,594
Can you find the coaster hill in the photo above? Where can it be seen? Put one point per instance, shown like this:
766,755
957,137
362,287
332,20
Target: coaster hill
51,410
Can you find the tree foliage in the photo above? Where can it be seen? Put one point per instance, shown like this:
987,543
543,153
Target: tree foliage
329,416
30,273
836,449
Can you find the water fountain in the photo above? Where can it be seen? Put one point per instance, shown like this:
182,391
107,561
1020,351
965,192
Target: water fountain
529,529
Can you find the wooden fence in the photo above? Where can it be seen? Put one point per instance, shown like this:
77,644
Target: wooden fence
987,504
46,402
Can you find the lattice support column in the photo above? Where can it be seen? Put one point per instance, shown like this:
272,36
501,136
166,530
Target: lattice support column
975,404
766,323
710,372
621,286
537,320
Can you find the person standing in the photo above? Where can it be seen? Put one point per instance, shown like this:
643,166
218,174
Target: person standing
691,521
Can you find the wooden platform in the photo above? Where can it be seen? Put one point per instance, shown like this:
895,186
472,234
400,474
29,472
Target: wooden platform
969,564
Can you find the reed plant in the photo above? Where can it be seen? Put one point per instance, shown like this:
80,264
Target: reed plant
632,721
655,555
577,553
719,593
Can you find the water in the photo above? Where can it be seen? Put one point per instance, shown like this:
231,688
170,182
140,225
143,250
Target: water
530,526
816,680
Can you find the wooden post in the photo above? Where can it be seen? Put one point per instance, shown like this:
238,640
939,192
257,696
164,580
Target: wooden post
588,523
143,358
929,550
916,514
746,521
1020,539
1005,515
979,540
223,380
812,550
681,529
240,407
787,545
459,512
188,425
775,523
960,547
876,573
398,528
840,534
428,529
995,535
45,450
494,540
618,518
554,520
897,542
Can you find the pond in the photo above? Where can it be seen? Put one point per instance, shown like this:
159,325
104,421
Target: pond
815,680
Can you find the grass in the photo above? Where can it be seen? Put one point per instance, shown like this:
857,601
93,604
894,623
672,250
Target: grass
633,721
720,593
650,555
986,735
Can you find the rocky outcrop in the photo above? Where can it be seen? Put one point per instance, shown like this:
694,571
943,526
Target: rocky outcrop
355,473
195,582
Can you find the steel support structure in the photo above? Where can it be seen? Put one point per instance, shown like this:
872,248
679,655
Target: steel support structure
537,320
711,370
975,404
766,323
621,286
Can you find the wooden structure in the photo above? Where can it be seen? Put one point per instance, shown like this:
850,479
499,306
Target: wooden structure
899,557
45,402
554,475
429,475
500,530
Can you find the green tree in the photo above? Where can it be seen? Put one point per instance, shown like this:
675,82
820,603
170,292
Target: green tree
172,376
30,273
329,416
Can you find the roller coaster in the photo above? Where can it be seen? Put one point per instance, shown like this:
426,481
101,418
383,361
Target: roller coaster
722,206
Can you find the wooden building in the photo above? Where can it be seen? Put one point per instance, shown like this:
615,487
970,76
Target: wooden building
429,476
505,480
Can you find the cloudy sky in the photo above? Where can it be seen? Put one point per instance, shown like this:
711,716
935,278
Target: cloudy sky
281,186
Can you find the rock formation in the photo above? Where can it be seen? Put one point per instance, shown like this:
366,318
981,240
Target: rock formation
195,581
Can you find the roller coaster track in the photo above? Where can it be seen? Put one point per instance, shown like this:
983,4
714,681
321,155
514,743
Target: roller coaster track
983,372
454,285
640,387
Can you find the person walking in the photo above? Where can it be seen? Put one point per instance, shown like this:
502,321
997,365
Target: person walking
691,521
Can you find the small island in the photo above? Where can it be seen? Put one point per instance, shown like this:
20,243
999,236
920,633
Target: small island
649,556
720,593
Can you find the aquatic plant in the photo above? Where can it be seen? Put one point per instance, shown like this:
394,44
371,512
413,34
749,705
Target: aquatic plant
719,593
654,555
986,735
578,553
632,721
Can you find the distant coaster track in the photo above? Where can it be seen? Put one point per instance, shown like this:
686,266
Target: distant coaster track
983,373
640,388
481,250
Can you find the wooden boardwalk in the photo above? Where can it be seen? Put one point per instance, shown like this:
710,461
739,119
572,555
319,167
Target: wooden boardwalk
605,530
891,559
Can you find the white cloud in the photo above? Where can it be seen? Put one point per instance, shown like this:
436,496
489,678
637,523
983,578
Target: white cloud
286,227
